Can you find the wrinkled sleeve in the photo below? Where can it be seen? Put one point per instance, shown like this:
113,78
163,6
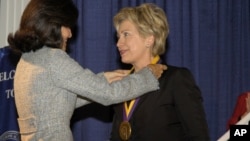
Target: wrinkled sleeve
68,74
81,101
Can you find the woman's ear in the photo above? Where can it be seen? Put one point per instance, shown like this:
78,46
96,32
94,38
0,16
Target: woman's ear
150,40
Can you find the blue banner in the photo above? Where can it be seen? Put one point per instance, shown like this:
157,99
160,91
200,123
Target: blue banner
9,130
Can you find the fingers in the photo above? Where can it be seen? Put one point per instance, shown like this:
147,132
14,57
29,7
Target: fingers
114,79
115,75
122,71
157,69
164,67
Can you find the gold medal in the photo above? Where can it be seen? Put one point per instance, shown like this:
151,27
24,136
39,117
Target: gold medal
125,130
125,127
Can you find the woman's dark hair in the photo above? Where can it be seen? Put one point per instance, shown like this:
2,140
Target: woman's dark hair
41,24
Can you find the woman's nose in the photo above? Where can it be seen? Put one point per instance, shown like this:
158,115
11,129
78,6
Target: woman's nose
70,33
119,43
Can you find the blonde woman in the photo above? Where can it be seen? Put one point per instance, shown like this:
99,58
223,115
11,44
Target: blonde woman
175,111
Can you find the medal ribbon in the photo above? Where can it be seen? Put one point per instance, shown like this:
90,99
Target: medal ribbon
128,109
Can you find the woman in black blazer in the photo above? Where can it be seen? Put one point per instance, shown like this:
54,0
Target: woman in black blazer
175,111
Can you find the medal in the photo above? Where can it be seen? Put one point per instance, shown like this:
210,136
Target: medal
125,130
125,127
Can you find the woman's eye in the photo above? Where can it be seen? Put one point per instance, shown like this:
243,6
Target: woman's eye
126,34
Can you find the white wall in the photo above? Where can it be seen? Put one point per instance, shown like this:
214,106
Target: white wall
10,15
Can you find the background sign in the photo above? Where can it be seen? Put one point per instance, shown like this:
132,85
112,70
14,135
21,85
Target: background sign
9,130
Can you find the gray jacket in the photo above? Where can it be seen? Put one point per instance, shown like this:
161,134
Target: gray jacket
49,85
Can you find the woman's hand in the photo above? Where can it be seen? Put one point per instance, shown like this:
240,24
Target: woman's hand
115,75
157,69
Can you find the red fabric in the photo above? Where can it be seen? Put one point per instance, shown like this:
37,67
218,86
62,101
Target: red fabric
239,110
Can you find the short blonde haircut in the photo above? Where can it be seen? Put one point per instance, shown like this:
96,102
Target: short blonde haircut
149,19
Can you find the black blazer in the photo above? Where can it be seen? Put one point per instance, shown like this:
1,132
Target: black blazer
172,113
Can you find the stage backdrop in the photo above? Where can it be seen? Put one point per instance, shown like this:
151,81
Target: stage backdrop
210,37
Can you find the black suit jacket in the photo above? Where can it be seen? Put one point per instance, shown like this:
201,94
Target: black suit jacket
172,113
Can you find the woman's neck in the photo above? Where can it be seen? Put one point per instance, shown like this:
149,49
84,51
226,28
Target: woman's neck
140,65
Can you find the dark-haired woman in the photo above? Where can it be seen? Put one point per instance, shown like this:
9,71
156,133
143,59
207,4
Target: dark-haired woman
49,85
